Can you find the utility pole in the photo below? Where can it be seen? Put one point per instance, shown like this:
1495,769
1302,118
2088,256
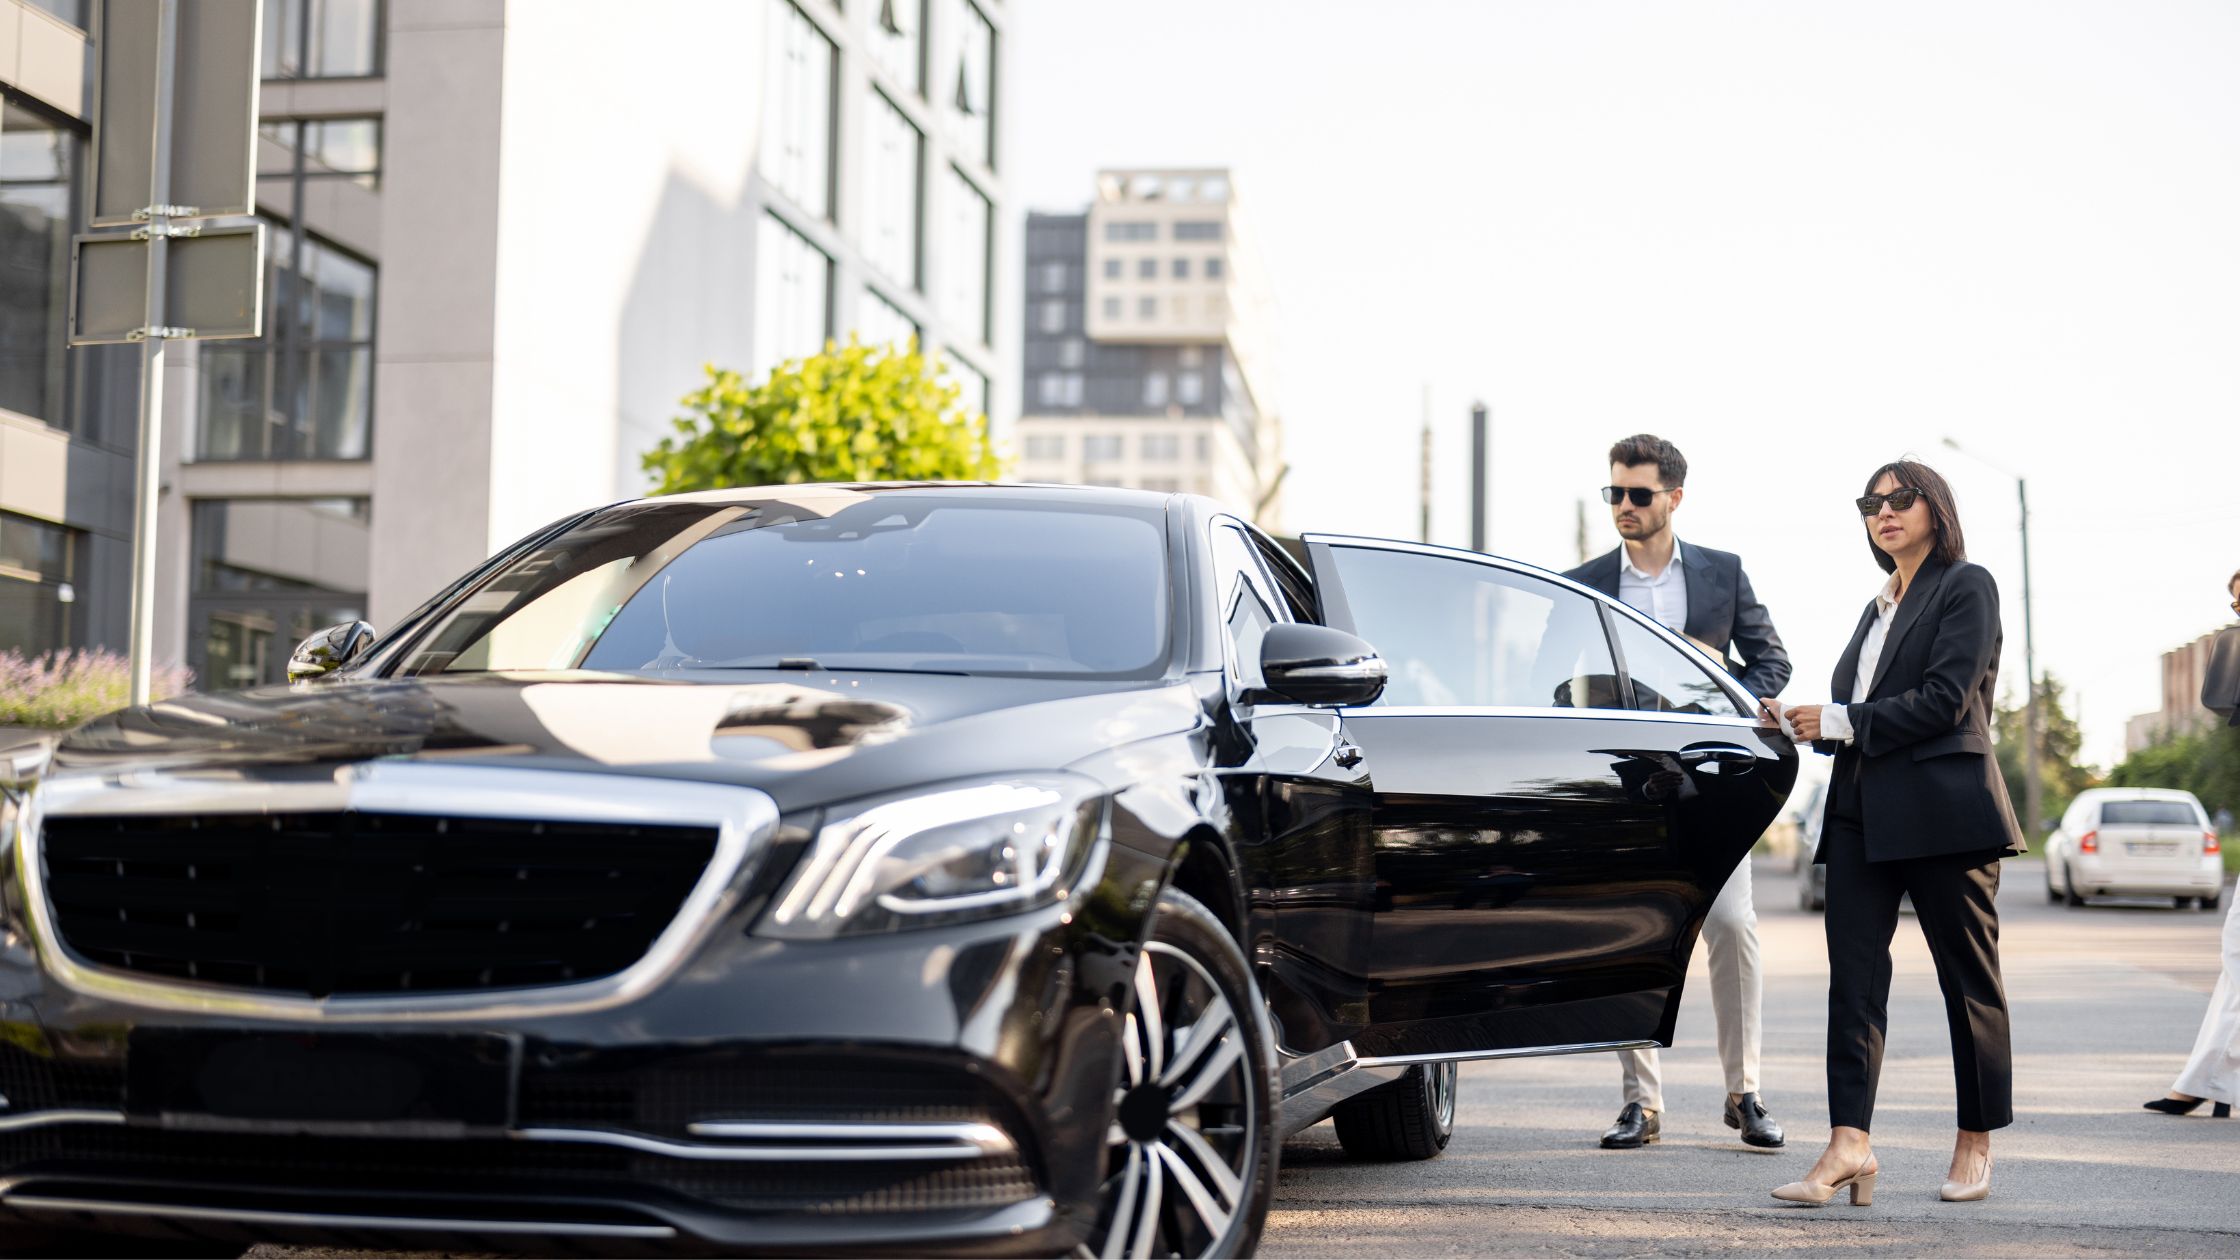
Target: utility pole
1480,442
2033,791
1423,485
1580,539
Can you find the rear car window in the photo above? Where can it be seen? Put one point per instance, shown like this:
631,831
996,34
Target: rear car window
2146,813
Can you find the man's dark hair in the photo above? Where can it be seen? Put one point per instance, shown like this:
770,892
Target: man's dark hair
1648,448
1944,511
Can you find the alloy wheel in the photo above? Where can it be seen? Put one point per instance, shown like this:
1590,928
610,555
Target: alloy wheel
1179,1159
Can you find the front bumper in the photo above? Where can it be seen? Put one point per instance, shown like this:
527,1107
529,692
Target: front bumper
922,1092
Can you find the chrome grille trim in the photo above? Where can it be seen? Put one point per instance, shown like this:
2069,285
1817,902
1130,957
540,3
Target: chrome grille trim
327,1220
743,818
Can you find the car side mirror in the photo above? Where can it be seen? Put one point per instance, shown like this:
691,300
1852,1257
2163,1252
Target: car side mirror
329,650
1310,664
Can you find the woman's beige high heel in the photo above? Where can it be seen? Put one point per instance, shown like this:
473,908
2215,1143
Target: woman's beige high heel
1861,1182
1969,1191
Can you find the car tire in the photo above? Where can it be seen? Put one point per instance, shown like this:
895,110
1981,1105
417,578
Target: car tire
2211,902
1412,1118
2069,886
2053,895
2184,903
1191,1167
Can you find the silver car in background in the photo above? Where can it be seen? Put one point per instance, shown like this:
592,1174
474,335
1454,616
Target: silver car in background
2135,842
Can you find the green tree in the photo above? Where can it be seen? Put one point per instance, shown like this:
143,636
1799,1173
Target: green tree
2060,776
2205,763
851,413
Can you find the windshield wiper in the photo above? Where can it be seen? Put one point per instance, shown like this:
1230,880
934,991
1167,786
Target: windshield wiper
797,662
808,664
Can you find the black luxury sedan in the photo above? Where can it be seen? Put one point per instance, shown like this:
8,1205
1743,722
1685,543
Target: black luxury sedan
884,868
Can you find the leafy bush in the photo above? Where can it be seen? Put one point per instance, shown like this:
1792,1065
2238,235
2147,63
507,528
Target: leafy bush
63,689
2206,763
852,413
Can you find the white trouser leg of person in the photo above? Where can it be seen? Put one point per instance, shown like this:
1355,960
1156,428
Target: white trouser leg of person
2214,1070
1730,945
1644,1078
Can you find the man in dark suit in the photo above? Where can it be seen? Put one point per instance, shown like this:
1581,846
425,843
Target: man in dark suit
1704,595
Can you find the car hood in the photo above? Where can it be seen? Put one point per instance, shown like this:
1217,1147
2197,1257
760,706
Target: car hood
806,740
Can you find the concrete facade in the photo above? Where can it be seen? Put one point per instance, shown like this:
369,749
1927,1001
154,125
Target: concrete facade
573,210
2183,669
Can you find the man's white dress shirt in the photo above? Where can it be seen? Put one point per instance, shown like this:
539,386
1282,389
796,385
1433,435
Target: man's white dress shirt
1664,597
1835,720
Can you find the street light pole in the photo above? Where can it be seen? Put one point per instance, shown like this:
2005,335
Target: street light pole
2033,792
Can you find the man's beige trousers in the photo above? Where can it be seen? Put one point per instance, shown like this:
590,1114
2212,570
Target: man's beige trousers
1730,944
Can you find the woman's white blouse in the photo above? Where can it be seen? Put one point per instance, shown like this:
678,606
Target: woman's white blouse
1835,720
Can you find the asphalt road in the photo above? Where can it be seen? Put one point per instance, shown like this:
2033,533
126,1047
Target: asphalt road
2106,1000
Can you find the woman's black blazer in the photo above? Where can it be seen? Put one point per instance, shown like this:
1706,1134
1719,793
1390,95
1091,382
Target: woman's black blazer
1929,783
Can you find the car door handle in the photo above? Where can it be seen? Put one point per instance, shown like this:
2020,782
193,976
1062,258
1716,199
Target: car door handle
1719,759
1347,755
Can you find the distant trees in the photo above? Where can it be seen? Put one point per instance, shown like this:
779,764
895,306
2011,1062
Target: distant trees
2206,763
850,413
2060,776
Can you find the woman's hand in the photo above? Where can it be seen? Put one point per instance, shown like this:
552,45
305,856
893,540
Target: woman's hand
1805,720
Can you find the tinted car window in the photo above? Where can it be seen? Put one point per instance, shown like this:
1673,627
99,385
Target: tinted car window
1665,680
1244,602
2147,813
1456,632
848,581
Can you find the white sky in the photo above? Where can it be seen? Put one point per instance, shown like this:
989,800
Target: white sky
1798,239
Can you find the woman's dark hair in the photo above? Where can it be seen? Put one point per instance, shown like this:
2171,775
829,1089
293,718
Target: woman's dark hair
1944,512
2232,581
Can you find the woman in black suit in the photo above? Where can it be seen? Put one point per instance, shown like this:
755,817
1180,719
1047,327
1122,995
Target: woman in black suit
1916,806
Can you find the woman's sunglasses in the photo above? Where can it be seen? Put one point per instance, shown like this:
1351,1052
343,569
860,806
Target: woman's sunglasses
1642,496
1899,500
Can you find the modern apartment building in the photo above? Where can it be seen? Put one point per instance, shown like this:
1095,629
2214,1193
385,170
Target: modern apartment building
505,235
1145,359
2183,670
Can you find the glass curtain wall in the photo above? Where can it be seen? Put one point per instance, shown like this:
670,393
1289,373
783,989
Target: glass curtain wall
266,573
38,593
322,39
304,390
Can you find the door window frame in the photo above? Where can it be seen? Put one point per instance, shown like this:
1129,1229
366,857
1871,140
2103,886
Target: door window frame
1337,613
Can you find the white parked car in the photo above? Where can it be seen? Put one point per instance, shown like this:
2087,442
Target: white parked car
2135,842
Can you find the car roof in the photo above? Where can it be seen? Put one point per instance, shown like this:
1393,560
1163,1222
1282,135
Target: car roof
2136,794
828,493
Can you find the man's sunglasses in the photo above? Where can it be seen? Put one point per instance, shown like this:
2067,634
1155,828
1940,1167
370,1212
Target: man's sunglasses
1642,496
1899,500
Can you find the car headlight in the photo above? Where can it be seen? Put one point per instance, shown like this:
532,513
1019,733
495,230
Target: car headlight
941,855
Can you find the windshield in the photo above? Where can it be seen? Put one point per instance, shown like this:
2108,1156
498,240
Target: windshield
2147,813
825,580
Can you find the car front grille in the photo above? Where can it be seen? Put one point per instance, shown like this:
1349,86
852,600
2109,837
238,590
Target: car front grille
354,903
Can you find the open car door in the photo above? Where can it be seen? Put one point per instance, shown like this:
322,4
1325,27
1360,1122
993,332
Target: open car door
1558,789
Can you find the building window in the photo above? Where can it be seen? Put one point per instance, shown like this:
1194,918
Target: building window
322,39
1189,388
266,573
894,182
972,385
792,294
882,323
898,42
1213,268
797,117
1217,307
1197,229
331,148
1205,448
1046,447
965,249
1147,268
71,11
1164,448
1058,389
1190,356
1053,277
1147,308
1112,308
1155,389
1102,448
1182,269
38,161
1130,230
1050,315
1112,269
38,572
968,86
1071,352
304,390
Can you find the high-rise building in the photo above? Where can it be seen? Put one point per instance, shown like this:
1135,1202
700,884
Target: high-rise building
1146,358
2183,671
505,235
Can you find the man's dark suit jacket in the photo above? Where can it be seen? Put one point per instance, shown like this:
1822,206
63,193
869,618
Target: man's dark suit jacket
1929,782
1722,611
